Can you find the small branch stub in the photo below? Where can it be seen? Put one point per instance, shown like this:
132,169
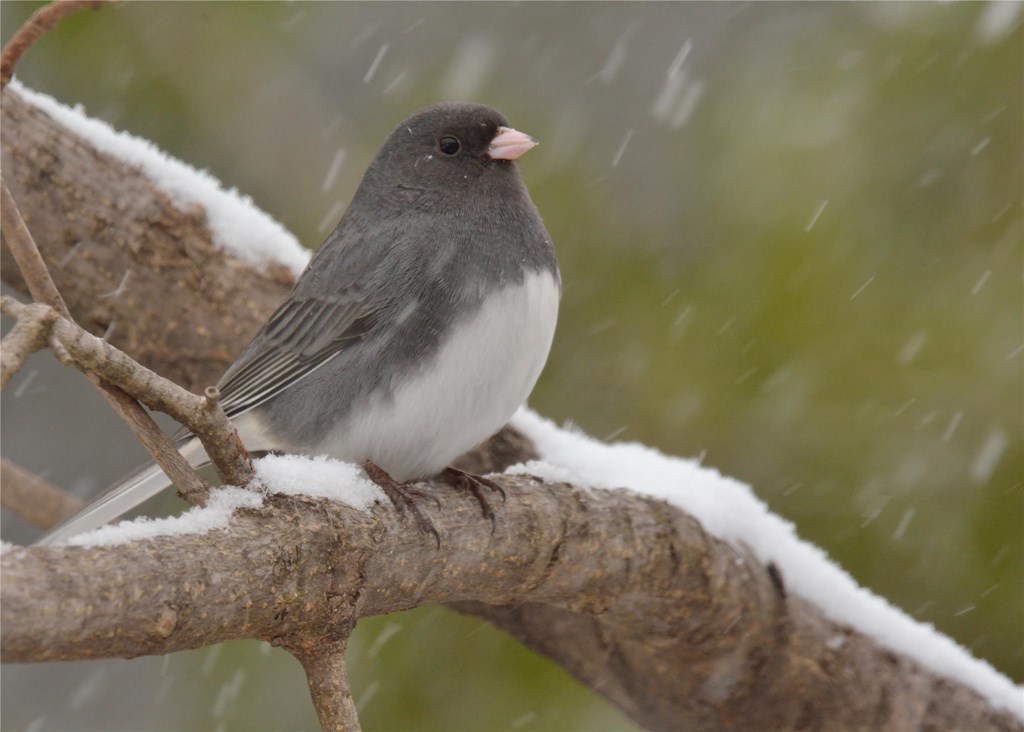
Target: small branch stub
29,334
221,440
329,687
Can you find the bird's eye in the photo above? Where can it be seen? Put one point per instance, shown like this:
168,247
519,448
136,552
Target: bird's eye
449,145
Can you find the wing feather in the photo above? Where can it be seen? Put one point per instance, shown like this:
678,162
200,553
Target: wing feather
300,337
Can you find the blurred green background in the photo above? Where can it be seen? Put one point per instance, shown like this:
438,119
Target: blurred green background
791,241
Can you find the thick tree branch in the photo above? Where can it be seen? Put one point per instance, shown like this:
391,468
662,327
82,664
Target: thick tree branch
681,630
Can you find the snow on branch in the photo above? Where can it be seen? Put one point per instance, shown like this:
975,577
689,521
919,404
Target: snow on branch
236,223
730,511
714,635
682,599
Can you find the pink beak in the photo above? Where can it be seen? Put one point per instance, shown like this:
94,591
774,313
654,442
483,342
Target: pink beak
509,144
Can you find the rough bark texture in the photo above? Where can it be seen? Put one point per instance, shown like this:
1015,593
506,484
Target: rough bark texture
330,689
680,630
128,260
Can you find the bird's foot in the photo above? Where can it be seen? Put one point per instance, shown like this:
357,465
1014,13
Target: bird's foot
475,485
403,496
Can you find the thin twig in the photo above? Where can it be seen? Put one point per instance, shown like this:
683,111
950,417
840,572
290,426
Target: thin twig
95,355
40,285
202,415
41,21
26,254
329,687
28,335
33,499
221,440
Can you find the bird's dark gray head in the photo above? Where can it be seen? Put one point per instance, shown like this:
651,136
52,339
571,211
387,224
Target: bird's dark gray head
450,147
444,185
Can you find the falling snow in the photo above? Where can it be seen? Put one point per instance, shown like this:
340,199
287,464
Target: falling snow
989,455
228,693
470,67
814,216
912,348
981,282
622,148
376,62
332,171
390,631
863,287
954,422
905,520
617,56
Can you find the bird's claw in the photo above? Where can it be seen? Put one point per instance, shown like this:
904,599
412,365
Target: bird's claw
475,485
404,496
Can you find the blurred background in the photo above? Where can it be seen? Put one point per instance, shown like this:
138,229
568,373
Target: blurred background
791,241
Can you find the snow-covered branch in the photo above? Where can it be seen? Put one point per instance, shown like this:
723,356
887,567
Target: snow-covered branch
681,629
682,600
124,253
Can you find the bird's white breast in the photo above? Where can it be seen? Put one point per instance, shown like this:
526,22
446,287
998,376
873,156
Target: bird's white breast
481,374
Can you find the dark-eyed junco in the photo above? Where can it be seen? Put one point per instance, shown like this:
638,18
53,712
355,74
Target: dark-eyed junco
417,329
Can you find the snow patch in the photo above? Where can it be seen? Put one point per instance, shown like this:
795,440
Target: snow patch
236,223
215,514
548,471
730,511
319,477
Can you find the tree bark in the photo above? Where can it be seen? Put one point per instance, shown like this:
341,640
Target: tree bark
125,258
680,630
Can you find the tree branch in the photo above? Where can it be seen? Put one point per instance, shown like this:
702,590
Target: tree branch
329,687
679,629
202,415
33,499
630,595
29,334
30,264
41,21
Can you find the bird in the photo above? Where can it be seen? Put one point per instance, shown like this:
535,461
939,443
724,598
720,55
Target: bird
419,326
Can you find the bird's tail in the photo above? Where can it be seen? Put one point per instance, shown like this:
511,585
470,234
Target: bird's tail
121,498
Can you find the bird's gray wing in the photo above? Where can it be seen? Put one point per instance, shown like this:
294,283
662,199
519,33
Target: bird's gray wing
305,333
300,337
